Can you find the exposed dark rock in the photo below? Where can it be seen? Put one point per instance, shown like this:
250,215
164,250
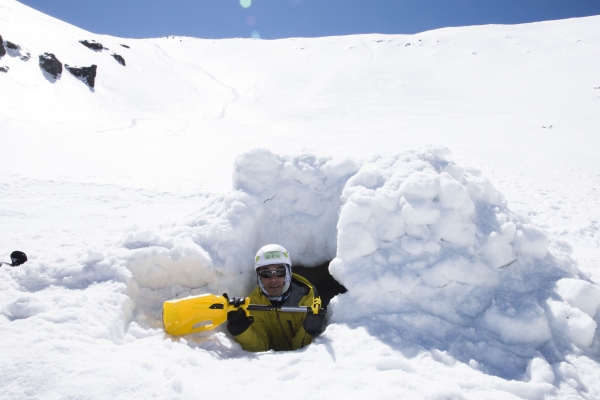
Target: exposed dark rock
2,49
50,64
86,74
119,59
124,45
4,69
13,50
92,44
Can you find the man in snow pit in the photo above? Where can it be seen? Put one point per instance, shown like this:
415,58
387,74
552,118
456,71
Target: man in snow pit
278,286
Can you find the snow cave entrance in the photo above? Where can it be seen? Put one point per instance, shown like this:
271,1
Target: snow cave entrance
321,278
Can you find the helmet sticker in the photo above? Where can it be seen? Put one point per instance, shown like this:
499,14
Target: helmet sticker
269,255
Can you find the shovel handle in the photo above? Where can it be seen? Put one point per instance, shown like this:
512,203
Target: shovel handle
290,309
244,303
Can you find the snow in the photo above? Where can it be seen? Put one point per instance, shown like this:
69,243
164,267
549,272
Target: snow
580,294
471,264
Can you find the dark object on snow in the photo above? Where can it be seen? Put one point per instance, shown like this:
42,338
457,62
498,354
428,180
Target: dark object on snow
86,74
13,50
17,258
12,46
4,69
92,44
119,59
124,45
50,64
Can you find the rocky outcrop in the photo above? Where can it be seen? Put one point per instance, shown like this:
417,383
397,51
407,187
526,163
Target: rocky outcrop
86,74
50,64
92,44
2,49
13,50
119,59
124,45
4,69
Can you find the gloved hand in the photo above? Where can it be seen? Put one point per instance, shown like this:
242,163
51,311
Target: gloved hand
238,322
314,324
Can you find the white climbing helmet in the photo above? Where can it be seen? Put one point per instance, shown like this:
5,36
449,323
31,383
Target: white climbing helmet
272,254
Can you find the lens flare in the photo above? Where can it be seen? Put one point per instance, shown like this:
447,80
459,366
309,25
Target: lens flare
250,20
245,3
255,35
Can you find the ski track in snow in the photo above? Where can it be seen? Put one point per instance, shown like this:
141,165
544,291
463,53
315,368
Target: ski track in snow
158,51
232,89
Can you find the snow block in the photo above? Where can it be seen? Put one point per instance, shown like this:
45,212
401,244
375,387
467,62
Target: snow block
187,265
454,196
85,74
576,325
517,324
146,238
539,371
497,250
50,64
453,227
351,235
530,240
580,294
424,184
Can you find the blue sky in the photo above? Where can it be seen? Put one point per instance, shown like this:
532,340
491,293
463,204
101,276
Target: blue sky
273,19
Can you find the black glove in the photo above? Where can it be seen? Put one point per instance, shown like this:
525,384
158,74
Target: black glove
314,324
238,322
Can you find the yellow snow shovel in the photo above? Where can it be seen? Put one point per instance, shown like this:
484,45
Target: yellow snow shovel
207,311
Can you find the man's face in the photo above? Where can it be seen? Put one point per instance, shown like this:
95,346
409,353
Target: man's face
273,284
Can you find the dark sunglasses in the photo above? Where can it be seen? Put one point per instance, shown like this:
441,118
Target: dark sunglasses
279,272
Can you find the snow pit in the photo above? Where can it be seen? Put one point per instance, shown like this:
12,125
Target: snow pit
431,256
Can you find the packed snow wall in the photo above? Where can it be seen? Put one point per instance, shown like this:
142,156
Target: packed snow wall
430,253
293,201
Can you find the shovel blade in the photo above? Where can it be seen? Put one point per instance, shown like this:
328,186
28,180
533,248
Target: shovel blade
194,314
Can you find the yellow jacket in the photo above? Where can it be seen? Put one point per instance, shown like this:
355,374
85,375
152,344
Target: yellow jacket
279,330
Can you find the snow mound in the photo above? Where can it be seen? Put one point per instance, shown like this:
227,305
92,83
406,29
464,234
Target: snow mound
429,252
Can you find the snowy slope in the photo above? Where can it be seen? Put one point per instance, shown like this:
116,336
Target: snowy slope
122,197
